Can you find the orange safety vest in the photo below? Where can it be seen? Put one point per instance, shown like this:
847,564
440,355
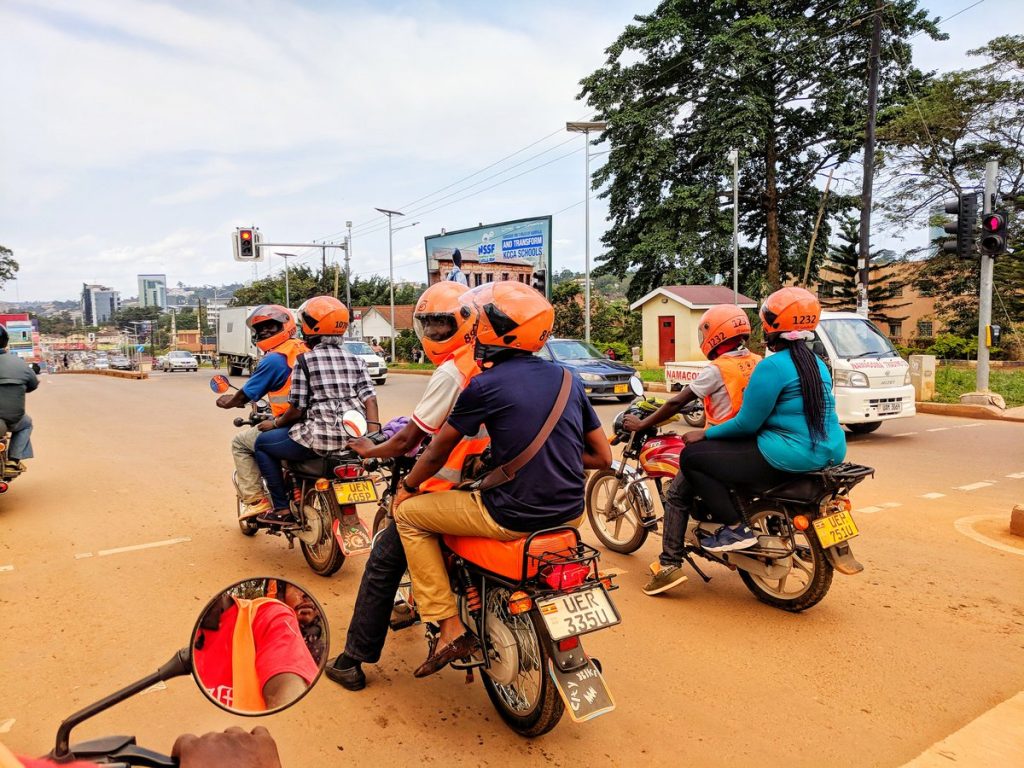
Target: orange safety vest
291,349
246,693
450,475
735,370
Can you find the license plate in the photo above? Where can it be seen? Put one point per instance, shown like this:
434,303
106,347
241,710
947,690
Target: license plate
890,407
621,389
835,529
578,613
355,492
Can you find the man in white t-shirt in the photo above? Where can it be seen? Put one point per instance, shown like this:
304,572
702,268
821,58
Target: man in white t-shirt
446,330
456,275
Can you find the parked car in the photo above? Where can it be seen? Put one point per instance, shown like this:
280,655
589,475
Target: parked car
101,363
374,363
120,363
601,377
180,360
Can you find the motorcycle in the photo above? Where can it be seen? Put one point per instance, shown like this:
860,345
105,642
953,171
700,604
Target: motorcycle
6,478
528,602
324,494
803,526
124,750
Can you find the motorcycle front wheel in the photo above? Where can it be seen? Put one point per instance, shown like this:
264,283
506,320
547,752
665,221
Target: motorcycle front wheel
614,514
695,418
810,574
324,556
518,682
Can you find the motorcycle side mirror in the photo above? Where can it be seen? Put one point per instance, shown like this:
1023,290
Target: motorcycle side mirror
636,386
220,384
354,423
253,667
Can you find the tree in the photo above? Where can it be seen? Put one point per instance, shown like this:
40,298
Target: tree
8,266
937,147
782,82
61,324
304,283
837,286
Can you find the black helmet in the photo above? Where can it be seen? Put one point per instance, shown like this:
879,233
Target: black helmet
4,338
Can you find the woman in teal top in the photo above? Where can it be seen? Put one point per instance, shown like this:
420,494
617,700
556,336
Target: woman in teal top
787,424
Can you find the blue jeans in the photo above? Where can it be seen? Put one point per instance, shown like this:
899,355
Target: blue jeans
21,445
271,448
371,616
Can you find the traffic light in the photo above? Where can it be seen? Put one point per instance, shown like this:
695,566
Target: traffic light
245,242
965,208
993,233
538,281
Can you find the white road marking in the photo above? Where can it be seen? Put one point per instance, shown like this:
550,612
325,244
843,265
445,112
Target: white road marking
891,505
937,429
137,547
967,426
904,434
83,555
1017,475
6,725
973,486
966,526
933,496
868,510
6,568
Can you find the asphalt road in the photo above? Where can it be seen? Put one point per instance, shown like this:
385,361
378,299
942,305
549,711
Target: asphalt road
124,527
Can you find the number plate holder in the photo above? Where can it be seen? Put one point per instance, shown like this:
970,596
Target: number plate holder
583,691
578,613
621,389
835,529
355,491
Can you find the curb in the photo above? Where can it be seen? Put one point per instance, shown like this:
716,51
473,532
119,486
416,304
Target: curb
412,372
965,411
115,374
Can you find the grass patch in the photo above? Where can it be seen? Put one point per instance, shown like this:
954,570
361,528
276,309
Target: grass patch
412,366
651,374
953,381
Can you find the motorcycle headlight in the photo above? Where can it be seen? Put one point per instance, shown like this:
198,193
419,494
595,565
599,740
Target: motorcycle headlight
591,377
842,378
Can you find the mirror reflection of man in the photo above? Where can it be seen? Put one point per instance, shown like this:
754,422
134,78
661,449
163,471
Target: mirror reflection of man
310,622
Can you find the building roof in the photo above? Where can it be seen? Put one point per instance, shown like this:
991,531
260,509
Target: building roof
403,314
697,296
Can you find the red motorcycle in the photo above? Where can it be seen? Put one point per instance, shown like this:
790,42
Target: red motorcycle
803,526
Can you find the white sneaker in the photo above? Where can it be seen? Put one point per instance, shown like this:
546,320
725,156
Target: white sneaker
254,508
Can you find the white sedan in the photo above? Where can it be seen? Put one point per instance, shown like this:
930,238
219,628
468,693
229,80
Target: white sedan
180,361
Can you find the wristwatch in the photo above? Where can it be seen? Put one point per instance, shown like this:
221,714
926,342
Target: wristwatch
405,485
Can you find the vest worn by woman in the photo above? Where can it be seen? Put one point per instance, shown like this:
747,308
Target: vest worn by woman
735,372
291,349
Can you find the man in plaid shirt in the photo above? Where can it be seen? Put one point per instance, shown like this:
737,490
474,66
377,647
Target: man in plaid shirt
326,381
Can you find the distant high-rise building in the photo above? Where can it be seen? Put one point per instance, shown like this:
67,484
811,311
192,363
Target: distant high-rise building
153,291
99,303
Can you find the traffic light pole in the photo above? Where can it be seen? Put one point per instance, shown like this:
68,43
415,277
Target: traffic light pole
987,271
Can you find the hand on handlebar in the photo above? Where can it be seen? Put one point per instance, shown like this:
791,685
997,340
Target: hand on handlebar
266,425
630,423
693,436
234,748
360,445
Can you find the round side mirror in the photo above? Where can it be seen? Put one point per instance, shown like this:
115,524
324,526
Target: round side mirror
259,646
354,423
220,384
636,386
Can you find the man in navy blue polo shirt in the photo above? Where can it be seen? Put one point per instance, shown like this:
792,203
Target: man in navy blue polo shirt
512,399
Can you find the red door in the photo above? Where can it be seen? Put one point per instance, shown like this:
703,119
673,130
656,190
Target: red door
666,339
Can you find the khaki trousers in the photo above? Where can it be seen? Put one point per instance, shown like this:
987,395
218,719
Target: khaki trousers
248,477
420,520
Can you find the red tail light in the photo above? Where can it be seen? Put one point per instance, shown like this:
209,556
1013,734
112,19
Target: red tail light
569,644
3,487
348,471
565,576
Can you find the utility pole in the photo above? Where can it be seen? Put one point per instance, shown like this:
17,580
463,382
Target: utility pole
734,157
987,269
864,257
348,274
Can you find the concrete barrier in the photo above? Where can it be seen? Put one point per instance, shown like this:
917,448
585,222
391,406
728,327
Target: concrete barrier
116,374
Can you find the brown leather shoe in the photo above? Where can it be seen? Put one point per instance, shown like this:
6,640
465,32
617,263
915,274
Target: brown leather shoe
459,648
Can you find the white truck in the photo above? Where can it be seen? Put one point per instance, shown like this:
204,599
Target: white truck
234,341
870,380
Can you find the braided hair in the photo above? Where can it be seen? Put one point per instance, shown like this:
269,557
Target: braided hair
812,387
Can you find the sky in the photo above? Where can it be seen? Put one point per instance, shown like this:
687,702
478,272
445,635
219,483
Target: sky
137,135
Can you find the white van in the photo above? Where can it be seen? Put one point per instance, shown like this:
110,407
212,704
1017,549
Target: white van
870,380
374,363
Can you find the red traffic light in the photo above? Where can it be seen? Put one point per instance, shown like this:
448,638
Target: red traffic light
991,222
246,234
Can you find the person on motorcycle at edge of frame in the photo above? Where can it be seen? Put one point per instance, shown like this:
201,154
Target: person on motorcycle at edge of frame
510,398
327,381
786,426
273,329
16,380
723,331
446,327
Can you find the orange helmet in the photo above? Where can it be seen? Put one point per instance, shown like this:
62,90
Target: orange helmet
444,323
721,323
512,315
271,313
790,309
323,316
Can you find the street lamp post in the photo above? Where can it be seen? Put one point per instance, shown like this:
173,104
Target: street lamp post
734,158
391,273
287,295
585,128
348,276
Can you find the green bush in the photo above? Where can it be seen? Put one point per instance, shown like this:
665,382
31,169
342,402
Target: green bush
405,344
621,349
951,347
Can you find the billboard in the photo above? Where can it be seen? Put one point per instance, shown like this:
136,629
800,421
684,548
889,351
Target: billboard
509,250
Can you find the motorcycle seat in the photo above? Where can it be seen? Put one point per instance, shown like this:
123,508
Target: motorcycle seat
320,466
509,558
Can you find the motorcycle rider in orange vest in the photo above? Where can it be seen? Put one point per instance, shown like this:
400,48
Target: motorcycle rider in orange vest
446,328
273,329
722,331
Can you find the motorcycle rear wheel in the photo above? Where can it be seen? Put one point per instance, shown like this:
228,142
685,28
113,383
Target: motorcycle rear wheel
614,518
810,576
323,556
528,703
695,419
